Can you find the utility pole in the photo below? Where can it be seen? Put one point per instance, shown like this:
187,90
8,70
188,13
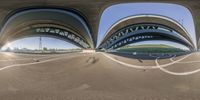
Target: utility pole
181,21
40,43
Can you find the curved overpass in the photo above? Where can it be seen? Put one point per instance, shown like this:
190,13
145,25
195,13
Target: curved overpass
54,22
71,26
158,24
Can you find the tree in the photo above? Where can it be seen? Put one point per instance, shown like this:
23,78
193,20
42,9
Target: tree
45,48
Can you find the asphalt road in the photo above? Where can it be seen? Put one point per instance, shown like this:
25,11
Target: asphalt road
97,76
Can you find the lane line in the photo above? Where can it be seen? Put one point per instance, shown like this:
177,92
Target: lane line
143,67
42,57
171,59
161,67
21,54
26,64
22,59
175,73
15,59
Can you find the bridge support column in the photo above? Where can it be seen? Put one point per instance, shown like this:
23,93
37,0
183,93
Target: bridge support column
1,46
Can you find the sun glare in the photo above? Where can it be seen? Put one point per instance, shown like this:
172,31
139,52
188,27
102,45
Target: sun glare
7,46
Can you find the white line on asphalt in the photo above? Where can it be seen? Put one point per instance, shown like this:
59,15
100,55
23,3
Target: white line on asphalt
175,73
161,67
15,59
185,62
144,67
17,65
42,57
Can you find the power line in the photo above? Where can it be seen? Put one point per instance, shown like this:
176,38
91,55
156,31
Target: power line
40,43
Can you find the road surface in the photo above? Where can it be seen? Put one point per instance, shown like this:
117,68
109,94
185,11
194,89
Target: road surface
97,76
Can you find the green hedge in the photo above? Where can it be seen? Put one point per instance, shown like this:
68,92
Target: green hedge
151,50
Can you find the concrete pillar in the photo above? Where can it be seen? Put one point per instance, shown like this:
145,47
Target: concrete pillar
1,46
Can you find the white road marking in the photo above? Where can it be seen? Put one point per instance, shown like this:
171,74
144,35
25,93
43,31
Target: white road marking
17,65
185,62
83,87
22,59
24,54
42,57
161,67
175,73
15,59
144,67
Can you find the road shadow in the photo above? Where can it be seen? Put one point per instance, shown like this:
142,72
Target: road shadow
140,60
92,60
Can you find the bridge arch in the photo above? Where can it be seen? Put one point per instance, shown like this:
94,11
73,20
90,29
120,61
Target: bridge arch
155,26
59,23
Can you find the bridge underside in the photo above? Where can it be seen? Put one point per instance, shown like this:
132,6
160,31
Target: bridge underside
143,32
92,10
59,23
54,32
145,37
79,26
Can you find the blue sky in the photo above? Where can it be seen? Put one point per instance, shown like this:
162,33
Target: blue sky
113,14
